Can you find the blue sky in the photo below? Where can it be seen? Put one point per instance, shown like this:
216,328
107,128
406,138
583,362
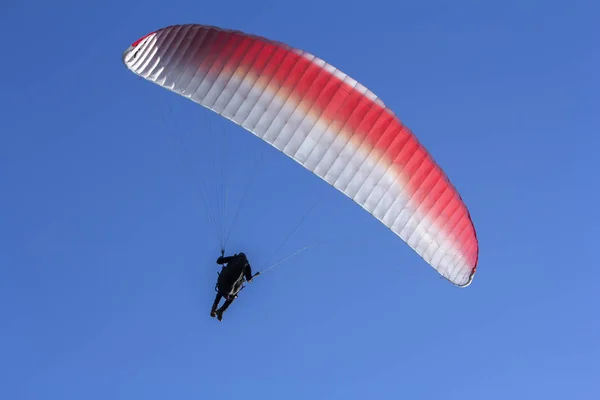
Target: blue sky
107,264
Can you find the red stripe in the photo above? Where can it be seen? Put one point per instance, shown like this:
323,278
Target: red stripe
140,39
334,101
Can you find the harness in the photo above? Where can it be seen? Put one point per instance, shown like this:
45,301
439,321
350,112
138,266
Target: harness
242,278
234,295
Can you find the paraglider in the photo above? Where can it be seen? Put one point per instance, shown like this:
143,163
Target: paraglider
324,120
230,281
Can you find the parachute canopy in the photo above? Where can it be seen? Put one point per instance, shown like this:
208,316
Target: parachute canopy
324,120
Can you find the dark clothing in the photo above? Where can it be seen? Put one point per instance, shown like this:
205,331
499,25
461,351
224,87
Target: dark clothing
232,275
230,281
228,301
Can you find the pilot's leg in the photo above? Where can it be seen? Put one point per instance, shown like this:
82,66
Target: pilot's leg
213,311
220,311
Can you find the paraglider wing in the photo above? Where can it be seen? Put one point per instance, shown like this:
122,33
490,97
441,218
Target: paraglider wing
324,120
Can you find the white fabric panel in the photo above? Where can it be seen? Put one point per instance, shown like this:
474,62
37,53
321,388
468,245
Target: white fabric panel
171,58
